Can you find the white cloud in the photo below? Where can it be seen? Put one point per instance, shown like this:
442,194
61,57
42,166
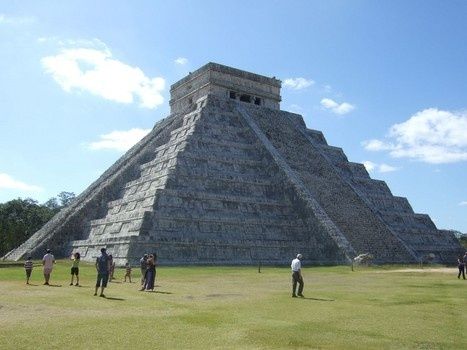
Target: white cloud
119,140
7,182
376,145
463,203
181,60
297,83
369,165
12,20
432,136
97,72
385,168
337,108
381,168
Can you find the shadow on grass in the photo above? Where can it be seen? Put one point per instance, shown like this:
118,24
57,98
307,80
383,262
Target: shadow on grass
158,291
112,298
53,285
316,299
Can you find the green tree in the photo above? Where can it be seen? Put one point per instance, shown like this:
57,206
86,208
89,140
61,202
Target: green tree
19,219
65,198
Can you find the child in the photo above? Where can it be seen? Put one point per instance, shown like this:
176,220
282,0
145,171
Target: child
127,272
75,268
28,268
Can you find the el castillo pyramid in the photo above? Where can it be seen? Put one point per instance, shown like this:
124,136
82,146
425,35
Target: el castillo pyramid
229,178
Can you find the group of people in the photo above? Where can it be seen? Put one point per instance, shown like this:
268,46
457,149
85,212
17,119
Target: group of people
461,264
105,267
48,262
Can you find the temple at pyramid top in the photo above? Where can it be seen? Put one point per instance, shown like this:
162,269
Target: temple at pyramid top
217,79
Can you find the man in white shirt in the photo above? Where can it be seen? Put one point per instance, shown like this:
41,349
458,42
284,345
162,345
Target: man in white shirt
48,262
297,276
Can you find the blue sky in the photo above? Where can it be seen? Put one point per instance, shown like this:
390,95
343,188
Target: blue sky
81,81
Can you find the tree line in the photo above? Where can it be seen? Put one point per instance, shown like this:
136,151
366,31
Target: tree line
20,218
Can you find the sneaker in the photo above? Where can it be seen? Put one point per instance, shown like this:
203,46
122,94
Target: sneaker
46,284
77,285
294,296
102,295
95,294
301,295
71,284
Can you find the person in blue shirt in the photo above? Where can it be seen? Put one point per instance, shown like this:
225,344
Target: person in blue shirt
103,270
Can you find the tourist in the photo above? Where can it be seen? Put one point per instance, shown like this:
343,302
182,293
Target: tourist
297,276
28,265
150,277
143,267
48,262
127,272
461,266
112,268
103,270
75,268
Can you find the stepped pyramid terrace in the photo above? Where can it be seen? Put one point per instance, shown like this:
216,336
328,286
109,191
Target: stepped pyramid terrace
229,178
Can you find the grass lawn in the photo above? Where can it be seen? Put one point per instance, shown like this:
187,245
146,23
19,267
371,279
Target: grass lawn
237,308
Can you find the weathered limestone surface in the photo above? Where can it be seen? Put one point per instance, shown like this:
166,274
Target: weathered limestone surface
229,178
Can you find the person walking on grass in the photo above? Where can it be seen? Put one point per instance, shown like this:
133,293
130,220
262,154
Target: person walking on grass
297,276
103,270
127,272
75,268
28,265
461,266
48,262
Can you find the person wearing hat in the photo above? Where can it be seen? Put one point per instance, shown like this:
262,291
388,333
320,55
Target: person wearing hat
297,276
103,269
48,262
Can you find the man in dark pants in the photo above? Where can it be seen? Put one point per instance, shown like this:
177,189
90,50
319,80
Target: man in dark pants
103,269
297,276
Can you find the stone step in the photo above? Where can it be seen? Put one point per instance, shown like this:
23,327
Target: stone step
170,206
203,141
372,186
160,163
358,170
199,195
149,176
119,218
196,222
317,136
222,186
206,172
335,154
213,159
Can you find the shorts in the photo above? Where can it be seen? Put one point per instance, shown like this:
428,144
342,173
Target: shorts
47,271
102,279
28,273
75,271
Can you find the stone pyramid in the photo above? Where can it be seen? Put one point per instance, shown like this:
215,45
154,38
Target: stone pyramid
229,178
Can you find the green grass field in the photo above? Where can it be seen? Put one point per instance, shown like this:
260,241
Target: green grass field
237,308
